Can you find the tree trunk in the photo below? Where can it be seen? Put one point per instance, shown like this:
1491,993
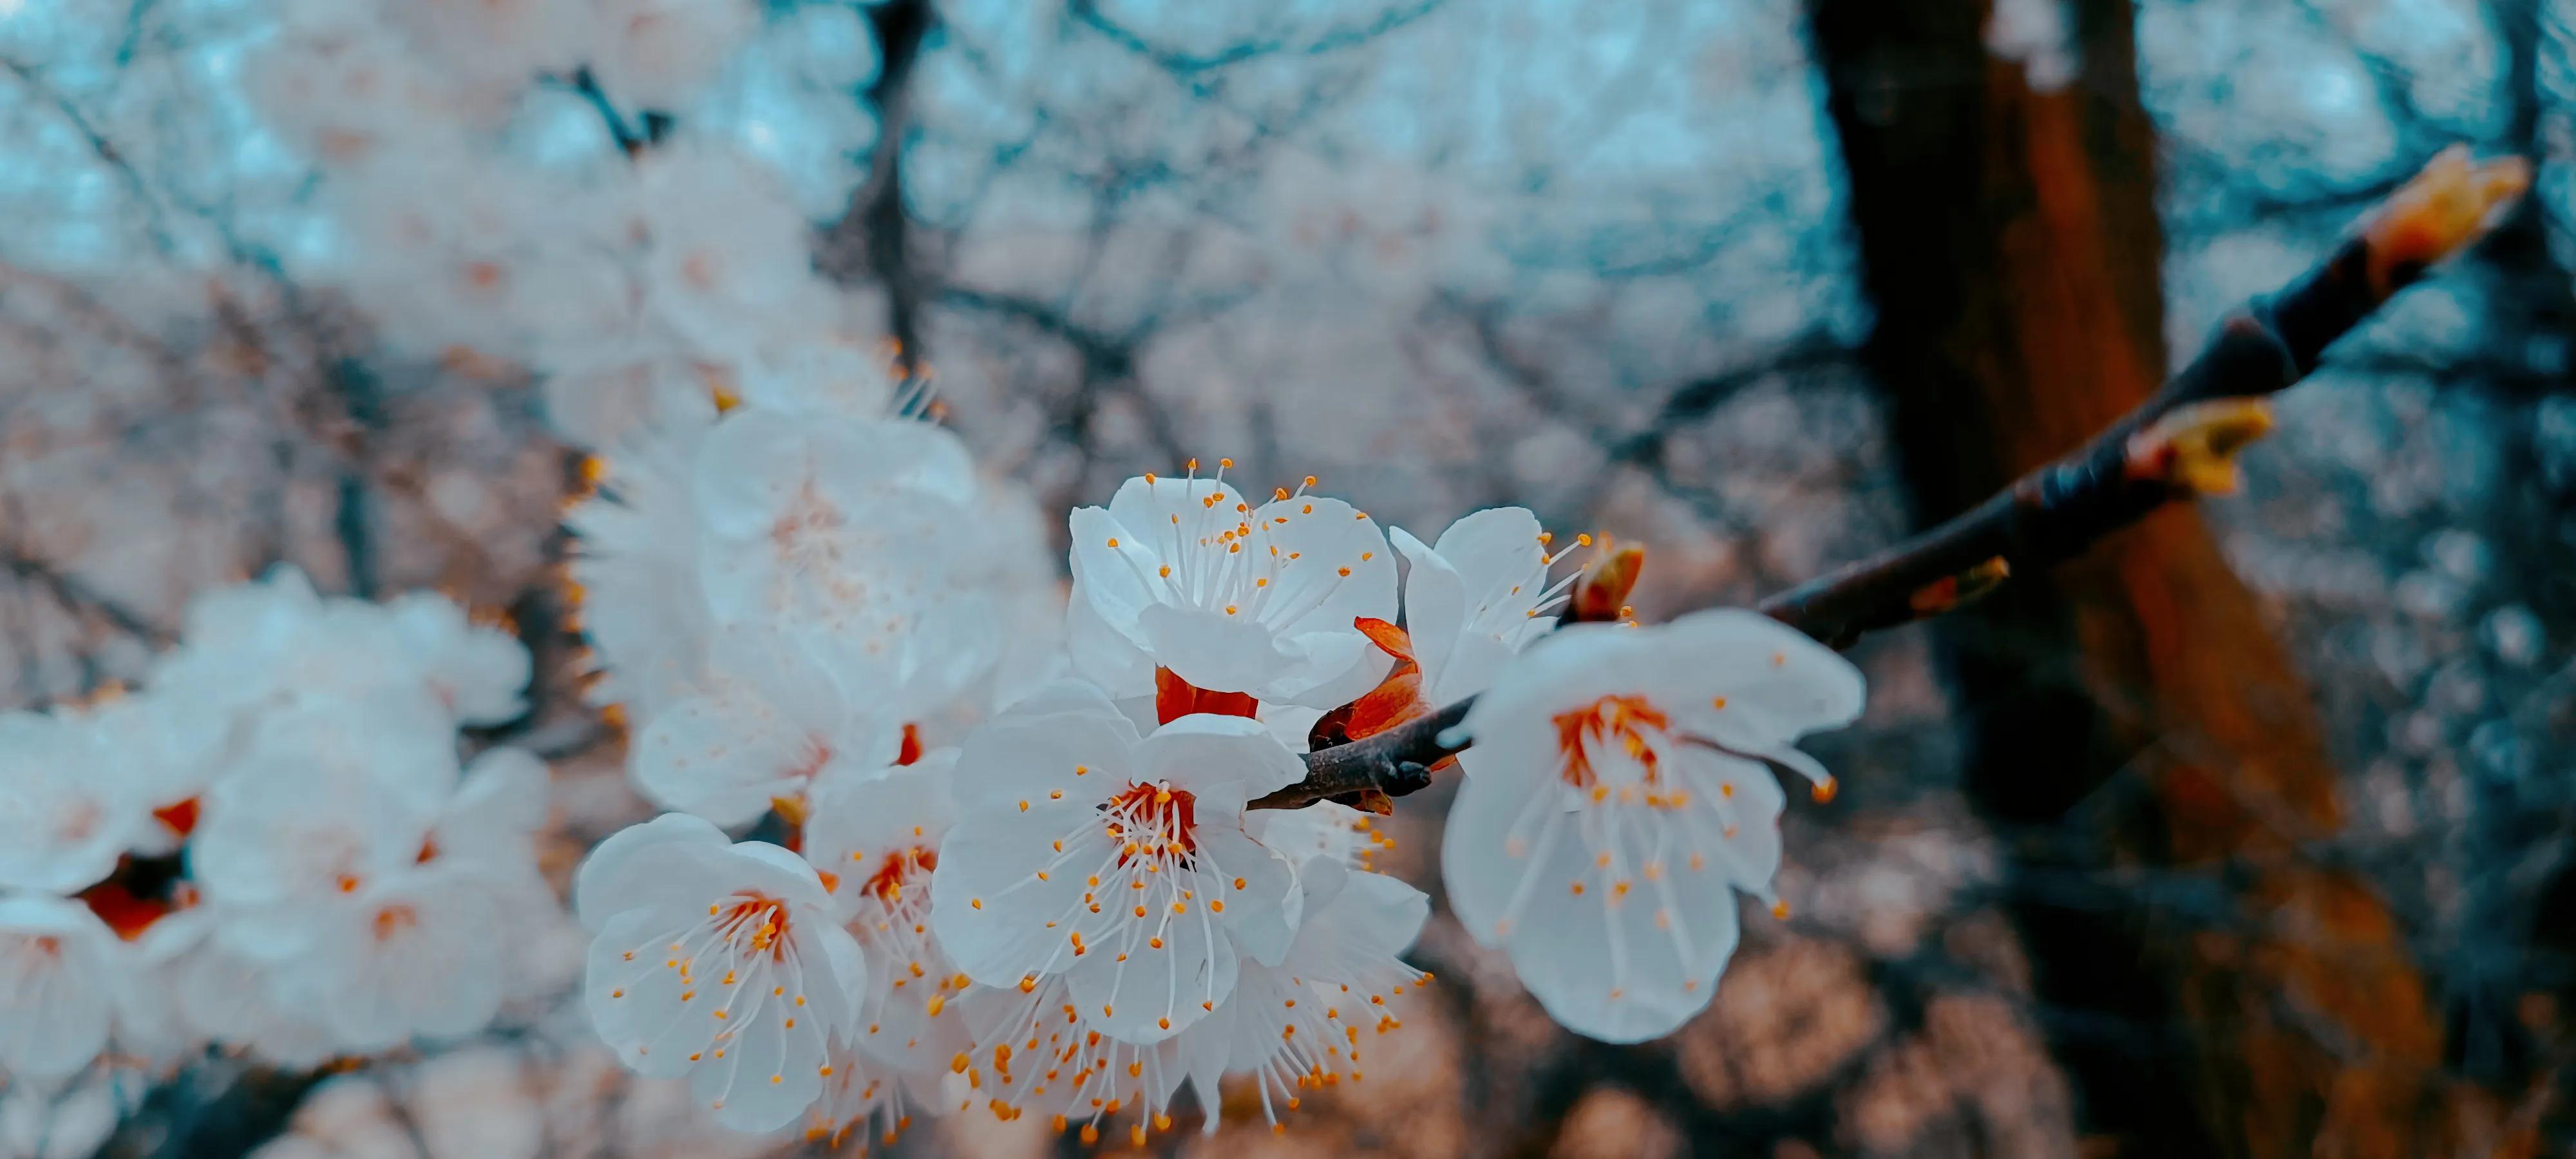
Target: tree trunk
2131,711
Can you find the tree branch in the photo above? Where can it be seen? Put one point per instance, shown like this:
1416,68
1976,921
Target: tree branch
81,599
2176,445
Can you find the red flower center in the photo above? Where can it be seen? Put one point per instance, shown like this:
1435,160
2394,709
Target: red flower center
180,818
1175,698
121,911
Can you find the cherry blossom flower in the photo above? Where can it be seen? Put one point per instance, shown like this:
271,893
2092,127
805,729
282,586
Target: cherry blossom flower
1121,863
411,956
656,52
328,801
412,952
618,400
276,643
66,813
873,836
859,536
767,723
1033,1050
1296,1026
57,986
475,671
1233,598
232,998
1476,598
635,567
1617,798
727,265
719,961
1327,830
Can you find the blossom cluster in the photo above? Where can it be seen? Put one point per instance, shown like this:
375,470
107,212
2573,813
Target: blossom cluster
273,846
1047,883
575,188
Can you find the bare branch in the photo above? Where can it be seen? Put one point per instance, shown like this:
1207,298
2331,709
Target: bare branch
2174,446
79,597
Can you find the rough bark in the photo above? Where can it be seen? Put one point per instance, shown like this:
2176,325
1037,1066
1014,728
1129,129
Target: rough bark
2010,243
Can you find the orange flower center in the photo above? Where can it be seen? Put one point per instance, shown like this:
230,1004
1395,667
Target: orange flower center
1620,720
1153,821
763,920
887,882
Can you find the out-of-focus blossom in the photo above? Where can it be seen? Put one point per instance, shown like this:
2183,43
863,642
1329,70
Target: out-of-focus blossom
57,986
65,815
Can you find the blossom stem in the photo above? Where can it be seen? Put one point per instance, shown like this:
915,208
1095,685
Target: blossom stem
2174,446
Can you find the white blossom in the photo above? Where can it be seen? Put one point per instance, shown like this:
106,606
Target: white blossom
57,986
861,537
1234,598
1475,598
722,962
1297,1025
873,836
1617,798
66,815
1117,861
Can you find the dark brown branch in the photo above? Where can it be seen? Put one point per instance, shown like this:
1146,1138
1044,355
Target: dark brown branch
875,236
2057,511
2173,446
76,595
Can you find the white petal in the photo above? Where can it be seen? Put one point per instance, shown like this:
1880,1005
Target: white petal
658,864
749,468
991,911
1632,953
1778,683
1213,650
1100,653
1154,993
1223,761
1147,508
1326,536
1033,755
1262,913
724,755
1113,583
1435,605
1333,669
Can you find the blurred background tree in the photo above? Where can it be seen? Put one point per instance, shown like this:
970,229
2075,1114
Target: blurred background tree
2245,835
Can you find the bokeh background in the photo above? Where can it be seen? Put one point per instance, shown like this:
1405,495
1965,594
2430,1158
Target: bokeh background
2247,835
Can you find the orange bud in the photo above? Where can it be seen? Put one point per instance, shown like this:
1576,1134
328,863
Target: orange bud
1602,592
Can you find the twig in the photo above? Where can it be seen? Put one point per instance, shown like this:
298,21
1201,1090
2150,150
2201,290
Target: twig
874,234
2178,444
80,598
